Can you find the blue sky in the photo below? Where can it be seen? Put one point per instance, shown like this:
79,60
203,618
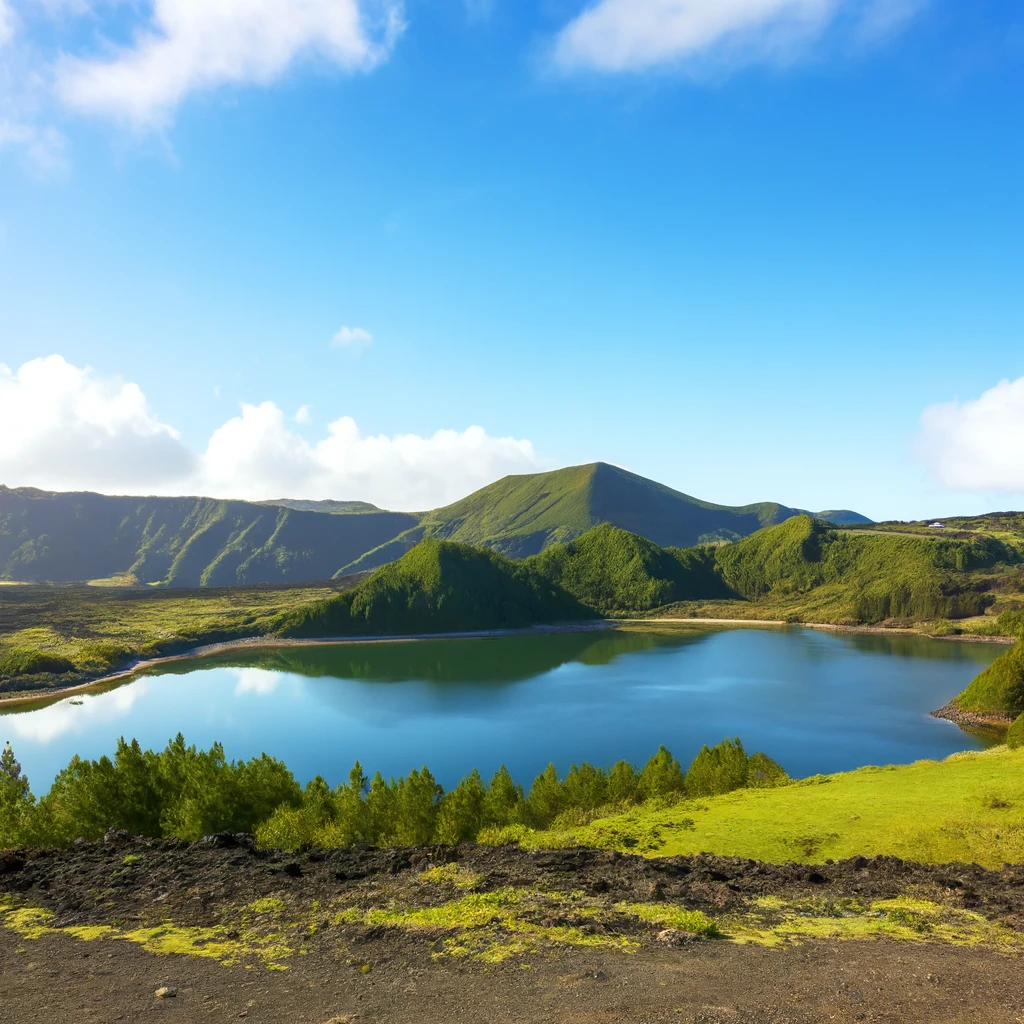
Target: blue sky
755,249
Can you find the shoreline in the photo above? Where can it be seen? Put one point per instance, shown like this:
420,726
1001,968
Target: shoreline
985,721
247,643
829,627
140,665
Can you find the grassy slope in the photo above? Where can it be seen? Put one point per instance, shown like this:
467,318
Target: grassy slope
966,808
58,636
613,570
187,542
522,515
1000,687
439,586
805,569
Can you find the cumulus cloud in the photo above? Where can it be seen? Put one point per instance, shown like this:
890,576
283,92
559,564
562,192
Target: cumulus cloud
977,445
352,338
255,455
64,427
189,46
631,35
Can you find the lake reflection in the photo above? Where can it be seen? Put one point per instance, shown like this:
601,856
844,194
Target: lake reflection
817,702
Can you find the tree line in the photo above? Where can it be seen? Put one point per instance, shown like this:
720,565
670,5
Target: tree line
183,792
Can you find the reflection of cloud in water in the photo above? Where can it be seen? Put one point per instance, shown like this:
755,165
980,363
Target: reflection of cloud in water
256,680
48,723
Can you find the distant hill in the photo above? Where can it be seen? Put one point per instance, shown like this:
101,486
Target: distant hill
183,542
438,587
522,515
327,505
189,542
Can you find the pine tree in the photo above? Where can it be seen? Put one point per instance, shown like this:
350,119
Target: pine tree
586,787
622,783
461,814
662,776
547,798
504,803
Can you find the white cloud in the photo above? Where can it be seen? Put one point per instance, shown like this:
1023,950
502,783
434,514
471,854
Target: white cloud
189,46
977,445
352,338
255,455
63,426
303,415
631,35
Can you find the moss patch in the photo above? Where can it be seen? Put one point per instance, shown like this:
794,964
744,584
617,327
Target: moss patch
772,921
219,942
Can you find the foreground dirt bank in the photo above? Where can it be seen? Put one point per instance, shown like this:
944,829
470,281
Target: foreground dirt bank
483,934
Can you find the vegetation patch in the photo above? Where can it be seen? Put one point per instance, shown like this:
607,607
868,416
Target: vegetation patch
228,944
773,921
960,809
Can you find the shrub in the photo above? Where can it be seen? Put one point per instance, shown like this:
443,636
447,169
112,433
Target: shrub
1015,736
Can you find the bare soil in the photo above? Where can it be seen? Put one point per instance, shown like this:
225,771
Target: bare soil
360,972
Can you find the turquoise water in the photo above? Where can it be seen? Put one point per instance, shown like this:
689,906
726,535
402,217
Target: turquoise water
816,702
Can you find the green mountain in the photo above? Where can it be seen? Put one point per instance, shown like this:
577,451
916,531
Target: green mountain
439,587
522,515
183,542
189,542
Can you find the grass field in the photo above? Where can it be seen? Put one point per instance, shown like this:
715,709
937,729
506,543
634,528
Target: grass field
967,808
56,635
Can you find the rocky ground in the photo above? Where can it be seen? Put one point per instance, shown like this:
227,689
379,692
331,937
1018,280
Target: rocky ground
140,930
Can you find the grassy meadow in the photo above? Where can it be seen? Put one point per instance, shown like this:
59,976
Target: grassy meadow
966,808
53,636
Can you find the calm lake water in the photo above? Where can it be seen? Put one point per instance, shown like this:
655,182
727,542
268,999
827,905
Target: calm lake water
816,702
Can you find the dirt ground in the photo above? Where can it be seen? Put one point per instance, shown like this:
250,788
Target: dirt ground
317,938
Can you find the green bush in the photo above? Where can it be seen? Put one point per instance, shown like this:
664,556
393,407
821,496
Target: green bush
28,662
1015,736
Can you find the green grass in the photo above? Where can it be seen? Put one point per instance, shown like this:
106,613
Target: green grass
967,808
60,635
1015,734
1000,687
